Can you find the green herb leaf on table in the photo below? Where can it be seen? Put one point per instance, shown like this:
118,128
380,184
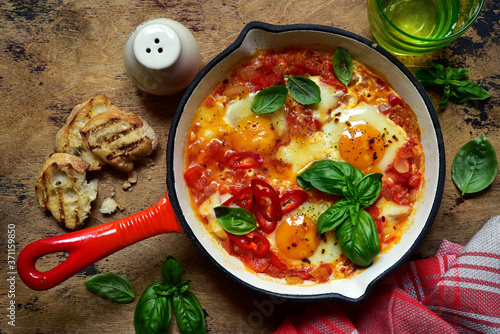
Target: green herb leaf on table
172,271
154,308
343,66
269,100
152,312
303,90
237,221
112,287
189,313
475,166
455,89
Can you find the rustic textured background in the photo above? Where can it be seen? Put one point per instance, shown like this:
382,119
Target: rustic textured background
57,53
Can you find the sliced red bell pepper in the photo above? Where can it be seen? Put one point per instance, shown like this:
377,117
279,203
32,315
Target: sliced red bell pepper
254,242
276,261
267,201
244,160
266,226
292,200
243,198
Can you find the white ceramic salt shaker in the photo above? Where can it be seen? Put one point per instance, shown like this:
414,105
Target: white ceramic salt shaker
161,56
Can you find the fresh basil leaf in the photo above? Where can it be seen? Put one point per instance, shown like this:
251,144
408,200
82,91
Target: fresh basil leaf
468,90
332,217
459,73
303,90
190,315
237,221
368,189
359,241
329,176
172,270
169,288
440,70
153,312
342,65
427,76
475,166
112,287
166,289
349,190
269,100
454,89
183,286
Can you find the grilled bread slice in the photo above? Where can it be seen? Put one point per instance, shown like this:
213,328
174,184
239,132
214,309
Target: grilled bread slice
119,138
69,139
63,190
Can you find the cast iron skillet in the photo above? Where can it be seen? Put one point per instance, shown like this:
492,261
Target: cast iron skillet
173,213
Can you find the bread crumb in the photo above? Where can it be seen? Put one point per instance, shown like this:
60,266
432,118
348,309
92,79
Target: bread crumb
132,177
126,185
108,206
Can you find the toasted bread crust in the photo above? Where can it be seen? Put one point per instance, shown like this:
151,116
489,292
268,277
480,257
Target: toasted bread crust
68,138
63,190
119,138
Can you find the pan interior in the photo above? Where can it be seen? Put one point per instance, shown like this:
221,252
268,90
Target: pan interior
351,289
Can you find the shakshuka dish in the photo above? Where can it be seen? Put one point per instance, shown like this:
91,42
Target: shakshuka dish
304,164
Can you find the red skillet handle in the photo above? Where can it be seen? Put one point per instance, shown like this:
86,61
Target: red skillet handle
90,245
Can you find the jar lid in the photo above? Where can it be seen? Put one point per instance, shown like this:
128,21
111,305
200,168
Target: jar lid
157,46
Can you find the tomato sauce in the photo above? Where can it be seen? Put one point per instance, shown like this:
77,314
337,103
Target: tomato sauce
215,166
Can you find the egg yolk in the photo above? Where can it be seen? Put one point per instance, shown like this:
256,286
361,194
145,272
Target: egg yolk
296,237
362,146
255,133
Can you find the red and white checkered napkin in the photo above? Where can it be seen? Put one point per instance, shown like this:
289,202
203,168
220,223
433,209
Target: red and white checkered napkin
457,291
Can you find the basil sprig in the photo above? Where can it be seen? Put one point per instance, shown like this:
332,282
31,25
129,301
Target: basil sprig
153,311
455,89
342,65
475,166
154,308
355,228
237,221
301,89
112,287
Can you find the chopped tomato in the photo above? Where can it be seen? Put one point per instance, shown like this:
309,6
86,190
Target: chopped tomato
394,100
258,263
214,152
322,273
196,177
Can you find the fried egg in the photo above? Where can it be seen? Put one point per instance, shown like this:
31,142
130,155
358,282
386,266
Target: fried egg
296,238
361,136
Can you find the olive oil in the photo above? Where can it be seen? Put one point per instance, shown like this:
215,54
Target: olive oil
423,18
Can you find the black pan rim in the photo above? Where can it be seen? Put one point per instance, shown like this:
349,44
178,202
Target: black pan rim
304,27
